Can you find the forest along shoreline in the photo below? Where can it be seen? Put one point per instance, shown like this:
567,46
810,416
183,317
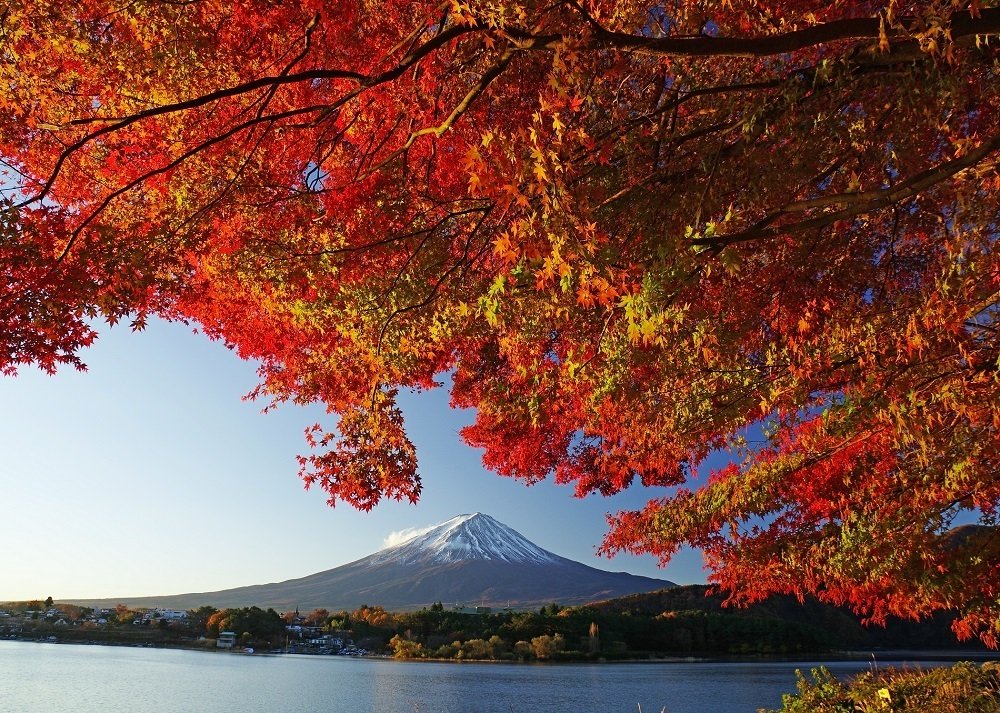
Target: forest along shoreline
672,625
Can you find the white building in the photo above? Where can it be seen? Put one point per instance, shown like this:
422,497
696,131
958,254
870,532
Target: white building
171,614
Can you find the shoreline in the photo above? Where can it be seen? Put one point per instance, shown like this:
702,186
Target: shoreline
889,656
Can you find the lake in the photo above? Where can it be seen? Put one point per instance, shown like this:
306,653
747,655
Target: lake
66,678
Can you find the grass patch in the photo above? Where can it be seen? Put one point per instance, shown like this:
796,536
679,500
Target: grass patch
962,688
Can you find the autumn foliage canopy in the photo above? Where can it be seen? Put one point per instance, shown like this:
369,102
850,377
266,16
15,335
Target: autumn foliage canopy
629,234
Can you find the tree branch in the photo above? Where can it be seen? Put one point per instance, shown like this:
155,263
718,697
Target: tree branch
484,82
857,203
364,81
270,118
962,25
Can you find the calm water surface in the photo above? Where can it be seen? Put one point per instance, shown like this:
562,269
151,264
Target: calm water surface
65,678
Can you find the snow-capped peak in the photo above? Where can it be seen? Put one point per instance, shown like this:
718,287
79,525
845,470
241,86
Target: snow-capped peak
465,537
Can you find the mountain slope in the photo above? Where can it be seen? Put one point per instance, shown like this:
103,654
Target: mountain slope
470,559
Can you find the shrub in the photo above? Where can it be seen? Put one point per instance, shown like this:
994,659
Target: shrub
962,688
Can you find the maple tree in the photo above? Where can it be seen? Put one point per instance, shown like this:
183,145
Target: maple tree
630,234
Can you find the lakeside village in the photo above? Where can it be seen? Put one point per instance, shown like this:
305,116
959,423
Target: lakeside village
679,622
198,628
254,630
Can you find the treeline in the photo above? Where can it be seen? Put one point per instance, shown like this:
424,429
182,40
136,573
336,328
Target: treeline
840,627
682,621
576,633
586,633
254,626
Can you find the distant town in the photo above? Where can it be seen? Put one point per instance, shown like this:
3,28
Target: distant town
201,628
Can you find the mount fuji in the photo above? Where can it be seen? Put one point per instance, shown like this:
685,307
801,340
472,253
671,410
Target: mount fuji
470,559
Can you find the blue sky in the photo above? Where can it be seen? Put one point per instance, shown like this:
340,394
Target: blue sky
148,474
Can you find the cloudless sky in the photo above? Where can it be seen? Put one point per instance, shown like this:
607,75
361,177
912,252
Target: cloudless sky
149,475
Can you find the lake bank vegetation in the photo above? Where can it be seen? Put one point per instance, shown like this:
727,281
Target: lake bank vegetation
962,688
677,622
